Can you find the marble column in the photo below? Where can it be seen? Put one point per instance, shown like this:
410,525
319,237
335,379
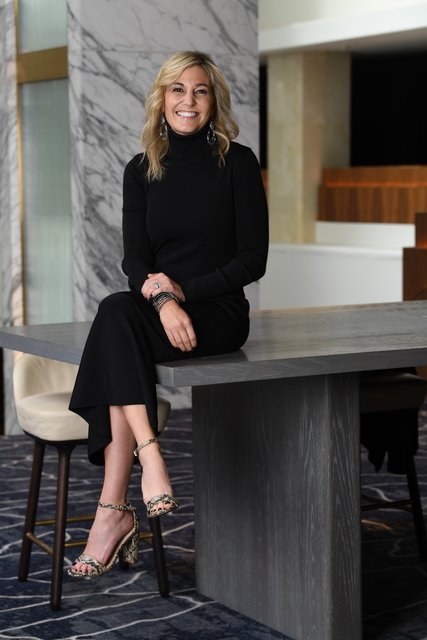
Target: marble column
308,129
11,295
115,50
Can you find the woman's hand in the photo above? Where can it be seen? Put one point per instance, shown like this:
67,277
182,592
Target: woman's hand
159,283
178,326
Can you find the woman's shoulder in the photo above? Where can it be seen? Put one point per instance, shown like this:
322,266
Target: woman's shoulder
135,168
136,161
242,156
241,153
238,149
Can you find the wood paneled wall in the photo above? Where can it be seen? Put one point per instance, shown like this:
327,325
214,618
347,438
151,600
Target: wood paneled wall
415,262
373,194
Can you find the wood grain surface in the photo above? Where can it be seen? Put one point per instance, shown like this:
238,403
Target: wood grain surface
373,194
277,502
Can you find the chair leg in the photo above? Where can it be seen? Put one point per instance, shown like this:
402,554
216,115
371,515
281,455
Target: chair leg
64,455
159,557
414,492
417,511
31,513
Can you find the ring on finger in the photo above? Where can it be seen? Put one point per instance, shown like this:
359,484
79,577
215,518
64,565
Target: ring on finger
156,285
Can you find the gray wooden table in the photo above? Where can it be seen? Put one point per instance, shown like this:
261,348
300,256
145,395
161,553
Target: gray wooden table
276,456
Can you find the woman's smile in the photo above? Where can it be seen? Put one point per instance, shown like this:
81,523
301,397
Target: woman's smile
188,101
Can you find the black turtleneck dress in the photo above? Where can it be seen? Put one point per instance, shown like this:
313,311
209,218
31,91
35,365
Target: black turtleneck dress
203,225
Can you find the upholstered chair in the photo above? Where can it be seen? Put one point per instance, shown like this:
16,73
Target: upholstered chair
42,389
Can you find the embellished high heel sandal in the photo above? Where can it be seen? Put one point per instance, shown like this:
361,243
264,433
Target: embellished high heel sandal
169,502
126,551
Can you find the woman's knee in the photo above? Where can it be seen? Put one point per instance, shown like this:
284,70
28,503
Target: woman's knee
116,303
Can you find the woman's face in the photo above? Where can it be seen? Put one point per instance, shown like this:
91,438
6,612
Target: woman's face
189,101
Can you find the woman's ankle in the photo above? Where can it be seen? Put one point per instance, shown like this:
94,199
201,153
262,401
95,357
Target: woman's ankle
149,453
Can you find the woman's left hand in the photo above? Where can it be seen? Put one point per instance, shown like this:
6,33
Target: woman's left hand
159,283
178,326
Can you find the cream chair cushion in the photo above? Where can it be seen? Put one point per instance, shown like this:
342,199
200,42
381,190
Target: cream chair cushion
46,416
34,374
42,390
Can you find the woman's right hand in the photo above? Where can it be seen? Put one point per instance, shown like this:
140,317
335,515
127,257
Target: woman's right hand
161,283
178,326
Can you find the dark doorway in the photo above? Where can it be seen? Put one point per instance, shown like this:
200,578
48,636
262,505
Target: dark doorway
389,109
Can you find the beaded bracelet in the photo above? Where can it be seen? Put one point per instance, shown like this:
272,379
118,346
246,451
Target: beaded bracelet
161,298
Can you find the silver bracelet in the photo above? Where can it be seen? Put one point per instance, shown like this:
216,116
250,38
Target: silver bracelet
161,298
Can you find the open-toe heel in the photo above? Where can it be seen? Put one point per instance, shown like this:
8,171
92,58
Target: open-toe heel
126,550
169,503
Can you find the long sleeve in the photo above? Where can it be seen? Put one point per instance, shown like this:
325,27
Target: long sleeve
138,258
204,225
251,229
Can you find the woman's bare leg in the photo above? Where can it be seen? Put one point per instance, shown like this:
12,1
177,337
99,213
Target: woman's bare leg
129,426
110,526
155,478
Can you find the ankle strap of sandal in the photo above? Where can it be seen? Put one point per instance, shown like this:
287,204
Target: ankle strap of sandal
144,444
117,507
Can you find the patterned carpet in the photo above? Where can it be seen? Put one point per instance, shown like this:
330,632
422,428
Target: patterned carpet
127,604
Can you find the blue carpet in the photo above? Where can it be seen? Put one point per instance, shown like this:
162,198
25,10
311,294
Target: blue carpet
127,604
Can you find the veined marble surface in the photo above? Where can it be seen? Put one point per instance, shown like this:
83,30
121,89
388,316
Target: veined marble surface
115,52
11,268
11,296
165,26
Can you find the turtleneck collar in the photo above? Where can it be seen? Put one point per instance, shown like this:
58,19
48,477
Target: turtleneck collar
188,145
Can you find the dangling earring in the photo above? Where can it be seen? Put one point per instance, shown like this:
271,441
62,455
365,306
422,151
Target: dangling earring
211,135
163,133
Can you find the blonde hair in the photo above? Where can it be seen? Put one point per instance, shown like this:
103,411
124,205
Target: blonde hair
226,128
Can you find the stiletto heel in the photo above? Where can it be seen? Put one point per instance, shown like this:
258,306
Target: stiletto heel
126,550
169,502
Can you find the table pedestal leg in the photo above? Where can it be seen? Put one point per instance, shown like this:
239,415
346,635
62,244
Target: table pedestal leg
277,493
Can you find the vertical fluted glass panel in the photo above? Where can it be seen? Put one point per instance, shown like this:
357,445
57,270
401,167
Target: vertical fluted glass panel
46,192
42,24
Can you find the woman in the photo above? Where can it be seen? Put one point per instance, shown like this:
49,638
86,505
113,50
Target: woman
195,232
